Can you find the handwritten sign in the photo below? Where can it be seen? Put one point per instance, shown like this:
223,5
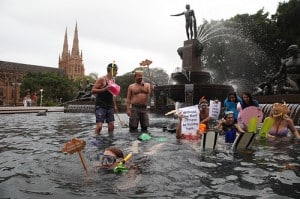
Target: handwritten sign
190,120
214,109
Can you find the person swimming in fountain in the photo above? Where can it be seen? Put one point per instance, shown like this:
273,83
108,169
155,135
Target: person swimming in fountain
109,159
137,98
190,22
282,122
229,127
204,119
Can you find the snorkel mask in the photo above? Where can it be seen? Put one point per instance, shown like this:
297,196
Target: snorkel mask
106,161
112,68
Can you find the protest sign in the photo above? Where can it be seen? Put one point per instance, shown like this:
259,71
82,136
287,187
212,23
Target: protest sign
214,109
190,120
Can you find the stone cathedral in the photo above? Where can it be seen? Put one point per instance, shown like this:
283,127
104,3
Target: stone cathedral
71,62
11,73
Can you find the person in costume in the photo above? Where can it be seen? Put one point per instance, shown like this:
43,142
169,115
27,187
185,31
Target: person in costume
283,123
231,102
204,119
105,106
229,127
180,135
137,98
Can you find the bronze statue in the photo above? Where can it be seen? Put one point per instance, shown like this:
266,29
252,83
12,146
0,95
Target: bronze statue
87,93
290,70
190,20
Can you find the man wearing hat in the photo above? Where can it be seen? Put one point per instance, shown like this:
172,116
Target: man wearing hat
137,98
105,106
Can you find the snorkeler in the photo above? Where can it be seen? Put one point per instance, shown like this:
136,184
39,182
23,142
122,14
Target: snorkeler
112,159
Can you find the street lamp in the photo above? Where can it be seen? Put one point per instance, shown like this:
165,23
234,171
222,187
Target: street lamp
41,96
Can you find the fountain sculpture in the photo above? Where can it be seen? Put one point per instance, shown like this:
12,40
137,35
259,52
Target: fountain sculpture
191,83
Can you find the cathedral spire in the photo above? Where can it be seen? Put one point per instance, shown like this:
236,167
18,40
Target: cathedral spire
75,48
71,62
64,55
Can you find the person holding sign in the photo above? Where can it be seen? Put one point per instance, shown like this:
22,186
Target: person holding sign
205,115
188,123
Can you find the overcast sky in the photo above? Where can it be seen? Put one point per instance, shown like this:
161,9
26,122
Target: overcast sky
127,31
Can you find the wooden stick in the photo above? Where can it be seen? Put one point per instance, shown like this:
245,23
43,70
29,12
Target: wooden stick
82,161
120,122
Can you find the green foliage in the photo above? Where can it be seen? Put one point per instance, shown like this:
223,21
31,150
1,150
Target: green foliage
54,85
250,46
124,81
287,17
157,76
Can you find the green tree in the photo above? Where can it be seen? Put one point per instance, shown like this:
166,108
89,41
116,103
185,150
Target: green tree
157,76
243,47
55,87
287,17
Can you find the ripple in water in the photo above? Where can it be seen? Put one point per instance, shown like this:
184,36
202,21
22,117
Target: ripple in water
32,165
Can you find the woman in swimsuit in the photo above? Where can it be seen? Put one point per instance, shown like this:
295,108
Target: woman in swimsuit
283,123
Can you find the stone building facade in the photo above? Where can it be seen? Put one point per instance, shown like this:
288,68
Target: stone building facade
11,73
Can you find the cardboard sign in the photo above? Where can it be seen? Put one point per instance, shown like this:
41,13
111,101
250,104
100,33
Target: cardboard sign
214,109
190,120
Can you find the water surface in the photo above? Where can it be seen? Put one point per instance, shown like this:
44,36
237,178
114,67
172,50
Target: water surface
33,166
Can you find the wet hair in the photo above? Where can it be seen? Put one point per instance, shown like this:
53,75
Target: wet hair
249,95
118,152
234,94
251,102
203,101
136,72
279,110
226,113
112,66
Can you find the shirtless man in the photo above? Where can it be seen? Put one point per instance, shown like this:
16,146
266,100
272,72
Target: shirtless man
105,106
137,98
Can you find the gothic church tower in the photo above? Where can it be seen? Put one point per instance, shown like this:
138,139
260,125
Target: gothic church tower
71,63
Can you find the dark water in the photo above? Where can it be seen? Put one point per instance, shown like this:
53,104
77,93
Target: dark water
32,165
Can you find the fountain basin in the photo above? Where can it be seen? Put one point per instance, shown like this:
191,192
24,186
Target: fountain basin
177,94
197,77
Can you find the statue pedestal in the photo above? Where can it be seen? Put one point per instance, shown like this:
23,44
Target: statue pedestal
191,51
